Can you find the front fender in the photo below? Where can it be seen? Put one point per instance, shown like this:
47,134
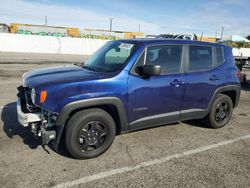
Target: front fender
86,103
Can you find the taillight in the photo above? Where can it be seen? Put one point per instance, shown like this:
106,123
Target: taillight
238,74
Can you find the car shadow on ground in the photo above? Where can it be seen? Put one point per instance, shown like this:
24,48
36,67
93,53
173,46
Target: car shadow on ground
246,86
61,149
197,123
12,128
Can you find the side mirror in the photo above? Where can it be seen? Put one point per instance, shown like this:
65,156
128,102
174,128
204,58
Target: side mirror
149,70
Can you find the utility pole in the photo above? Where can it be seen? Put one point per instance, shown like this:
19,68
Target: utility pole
222,30
215,33
110,23
201,36
46,22
139,27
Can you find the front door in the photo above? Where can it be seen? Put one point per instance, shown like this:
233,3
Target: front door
158,99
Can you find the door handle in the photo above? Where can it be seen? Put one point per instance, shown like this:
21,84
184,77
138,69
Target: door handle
176,83
214,78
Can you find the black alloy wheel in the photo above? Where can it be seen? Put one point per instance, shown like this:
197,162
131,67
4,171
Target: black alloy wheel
220,111
92,135
89,133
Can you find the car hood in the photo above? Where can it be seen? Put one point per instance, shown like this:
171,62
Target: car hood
60,74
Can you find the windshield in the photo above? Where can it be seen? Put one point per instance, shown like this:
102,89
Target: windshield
111,57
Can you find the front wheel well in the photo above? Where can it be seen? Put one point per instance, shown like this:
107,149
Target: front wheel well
110,109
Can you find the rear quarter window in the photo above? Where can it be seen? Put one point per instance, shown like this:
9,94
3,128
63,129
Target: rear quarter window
219,56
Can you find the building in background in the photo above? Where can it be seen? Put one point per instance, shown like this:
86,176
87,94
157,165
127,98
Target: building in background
43,30
4,28
208,39
111,35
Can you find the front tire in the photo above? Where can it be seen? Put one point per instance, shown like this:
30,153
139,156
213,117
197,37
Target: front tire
220,112
89,133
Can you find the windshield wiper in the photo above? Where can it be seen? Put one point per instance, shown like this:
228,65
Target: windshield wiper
89,68
78,64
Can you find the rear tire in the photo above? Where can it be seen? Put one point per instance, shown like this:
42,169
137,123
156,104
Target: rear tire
220,111
89,133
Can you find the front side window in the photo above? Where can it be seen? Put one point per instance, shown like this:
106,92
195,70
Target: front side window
169,57
111,57
200,58
139,63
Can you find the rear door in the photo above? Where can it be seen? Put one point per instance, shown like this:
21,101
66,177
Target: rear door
159,98
203,78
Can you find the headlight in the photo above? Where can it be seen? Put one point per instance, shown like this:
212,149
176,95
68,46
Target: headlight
33,96
23,80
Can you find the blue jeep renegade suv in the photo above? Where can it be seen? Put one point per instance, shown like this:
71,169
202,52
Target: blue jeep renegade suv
129,85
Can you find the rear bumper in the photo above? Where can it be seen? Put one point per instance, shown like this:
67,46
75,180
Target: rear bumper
26,118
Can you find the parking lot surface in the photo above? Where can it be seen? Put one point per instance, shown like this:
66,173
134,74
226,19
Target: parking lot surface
20,57
185,154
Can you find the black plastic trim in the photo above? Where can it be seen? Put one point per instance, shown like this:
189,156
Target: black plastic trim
166,118
222,89
193,114
155,120
78,105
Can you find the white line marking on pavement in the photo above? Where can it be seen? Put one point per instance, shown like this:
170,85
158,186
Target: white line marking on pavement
112,172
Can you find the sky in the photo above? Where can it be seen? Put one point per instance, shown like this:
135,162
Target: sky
154,17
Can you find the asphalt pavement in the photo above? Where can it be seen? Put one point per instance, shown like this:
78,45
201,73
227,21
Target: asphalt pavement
44,58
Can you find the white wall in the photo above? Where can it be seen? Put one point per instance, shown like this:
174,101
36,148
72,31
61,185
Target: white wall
47,44
245,52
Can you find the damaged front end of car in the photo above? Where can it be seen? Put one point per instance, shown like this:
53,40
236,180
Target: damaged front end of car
40,120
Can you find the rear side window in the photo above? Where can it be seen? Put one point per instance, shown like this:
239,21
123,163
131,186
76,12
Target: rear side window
200,58
219,56
168,56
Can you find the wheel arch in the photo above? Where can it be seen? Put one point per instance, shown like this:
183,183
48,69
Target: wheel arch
113,105
233,91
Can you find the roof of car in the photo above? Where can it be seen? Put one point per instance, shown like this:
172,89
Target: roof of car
171,41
